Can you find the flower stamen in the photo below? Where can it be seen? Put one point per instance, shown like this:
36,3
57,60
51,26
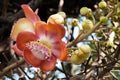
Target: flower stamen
39,50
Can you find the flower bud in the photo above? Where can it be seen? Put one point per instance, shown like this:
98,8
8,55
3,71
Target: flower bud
74,22
99,33
118,31
85,49
81,55
114,28
62,14
115,18
103,19
87,25
75,59
102,4
85,11
109,44
56,18
118,12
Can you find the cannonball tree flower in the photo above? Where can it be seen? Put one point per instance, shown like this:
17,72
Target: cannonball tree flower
38,42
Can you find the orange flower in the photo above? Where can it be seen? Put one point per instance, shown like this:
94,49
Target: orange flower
38,42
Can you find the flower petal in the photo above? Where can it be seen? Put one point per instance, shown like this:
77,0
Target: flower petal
48,64
40,28
57,49
63,55
60,50
31,59
23,38
55,30
18,51
32,16
22,24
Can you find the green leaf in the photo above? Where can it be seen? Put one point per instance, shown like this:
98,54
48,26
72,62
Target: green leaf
115,74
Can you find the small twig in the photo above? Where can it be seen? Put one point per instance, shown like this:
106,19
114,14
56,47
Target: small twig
75,41
108,68
24,72
4,9
107,55
79,35
61,2
64,71
10,67
88,75
56,68
92,41
77,77
97,47
33,4
86,65
53,77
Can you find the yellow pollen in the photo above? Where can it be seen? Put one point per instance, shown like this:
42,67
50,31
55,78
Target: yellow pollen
45,43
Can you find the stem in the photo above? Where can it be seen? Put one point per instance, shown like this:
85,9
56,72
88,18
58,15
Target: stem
59,69
80,38
10,67
24,72
93,18
56,68
88,33
64,71
61,3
